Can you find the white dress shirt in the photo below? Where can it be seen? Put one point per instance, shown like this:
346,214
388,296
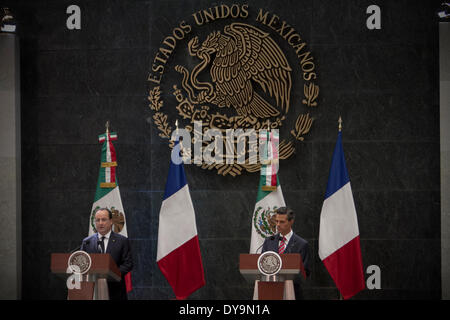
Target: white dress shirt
106,240
288,237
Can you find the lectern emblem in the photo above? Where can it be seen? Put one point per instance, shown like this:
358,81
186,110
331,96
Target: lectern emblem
269,263
79,262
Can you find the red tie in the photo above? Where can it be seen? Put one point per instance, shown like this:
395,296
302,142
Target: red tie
282,245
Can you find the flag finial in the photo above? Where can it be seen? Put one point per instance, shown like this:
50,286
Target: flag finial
176,128
340,124
107,127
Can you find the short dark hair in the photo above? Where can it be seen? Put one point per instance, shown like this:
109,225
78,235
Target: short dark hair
286,210
104,209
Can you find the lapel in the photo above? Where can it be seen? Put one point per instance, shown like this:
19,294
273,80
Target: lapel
95,244
276,242
290,244
111,242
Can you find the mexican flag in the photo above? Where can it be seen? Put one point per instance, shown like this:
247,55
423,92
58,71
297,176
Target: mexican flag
107,194
269,197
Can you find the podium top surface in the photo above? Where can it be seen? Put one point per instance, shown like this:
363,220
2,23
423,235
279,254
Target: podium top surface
102,266
291,266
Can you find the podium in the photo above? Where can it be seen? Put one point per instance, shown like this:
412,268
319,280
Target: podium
93,284
279,287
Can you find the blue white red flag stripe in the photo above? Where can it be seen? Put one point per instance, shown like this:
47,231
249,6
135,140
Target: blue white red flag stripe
178,253
339,243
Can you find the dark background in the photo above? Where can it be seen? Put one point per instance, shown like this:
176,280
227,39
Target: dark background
384,84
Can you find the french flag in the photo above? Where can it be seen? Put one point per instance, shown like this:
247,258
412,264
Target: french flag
339,246
178,255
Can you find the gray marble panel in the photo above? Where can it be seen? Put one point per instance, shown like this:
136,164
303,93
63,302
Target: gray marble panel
80,168
115,72
395,26
38,281
217,218
307,207
58,216
398,214
373,68
385,166
144,262
51,79
405,264
81,121
76,171
138,208
389,117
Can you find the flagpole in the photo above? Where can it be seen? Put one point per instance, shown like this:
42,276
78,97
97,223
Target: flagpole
176,133
178,138
107,126
340,130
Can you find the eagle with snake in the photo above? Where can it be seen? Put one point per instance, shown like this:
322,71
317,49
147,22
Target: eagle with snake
241,56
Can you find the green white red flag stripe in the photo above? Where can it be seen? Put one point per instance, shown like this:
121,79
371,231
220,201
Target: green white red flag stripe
109,197
270,142
266,203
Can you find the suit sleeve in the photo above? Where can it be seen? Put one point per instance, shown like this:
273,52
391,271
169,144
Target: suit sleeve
84,246
304,252
127,260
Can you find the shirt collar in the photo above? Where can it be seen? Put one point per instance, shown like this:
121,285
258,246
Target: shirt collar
106,235
288,236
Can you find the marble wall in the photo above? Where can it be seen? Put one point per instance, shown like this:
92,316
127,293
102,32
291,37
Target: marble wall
10,165
384,84
444,92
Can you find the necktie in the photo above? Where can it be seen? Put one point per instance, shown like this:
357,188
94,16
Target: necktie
282,245
102,244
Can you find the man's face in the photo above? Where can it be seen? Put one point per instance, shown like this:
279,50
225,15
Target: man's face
102,222
283,225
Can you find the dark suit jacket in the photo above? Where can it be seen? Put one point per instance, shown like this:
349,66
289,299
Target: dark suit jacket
119,249
295,245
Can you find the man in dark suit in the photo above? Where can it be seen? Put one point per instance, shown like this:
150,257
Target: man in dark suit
118,246
286,241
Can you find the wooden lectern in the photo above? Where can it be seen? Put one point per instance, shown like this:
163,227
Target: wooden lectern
275,288
94,282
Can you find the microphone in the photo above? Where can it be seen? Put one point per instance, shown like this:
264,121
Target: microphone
76,249
271,239
79,247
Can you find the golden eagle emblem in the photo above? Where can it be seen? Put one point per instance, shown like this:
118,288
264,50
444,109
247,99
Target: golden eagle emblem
241,56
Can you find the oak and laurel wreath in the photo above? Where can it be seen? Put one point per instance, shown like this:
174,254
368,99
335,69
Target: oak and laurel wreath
159,118
93,218
264,221
286,148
